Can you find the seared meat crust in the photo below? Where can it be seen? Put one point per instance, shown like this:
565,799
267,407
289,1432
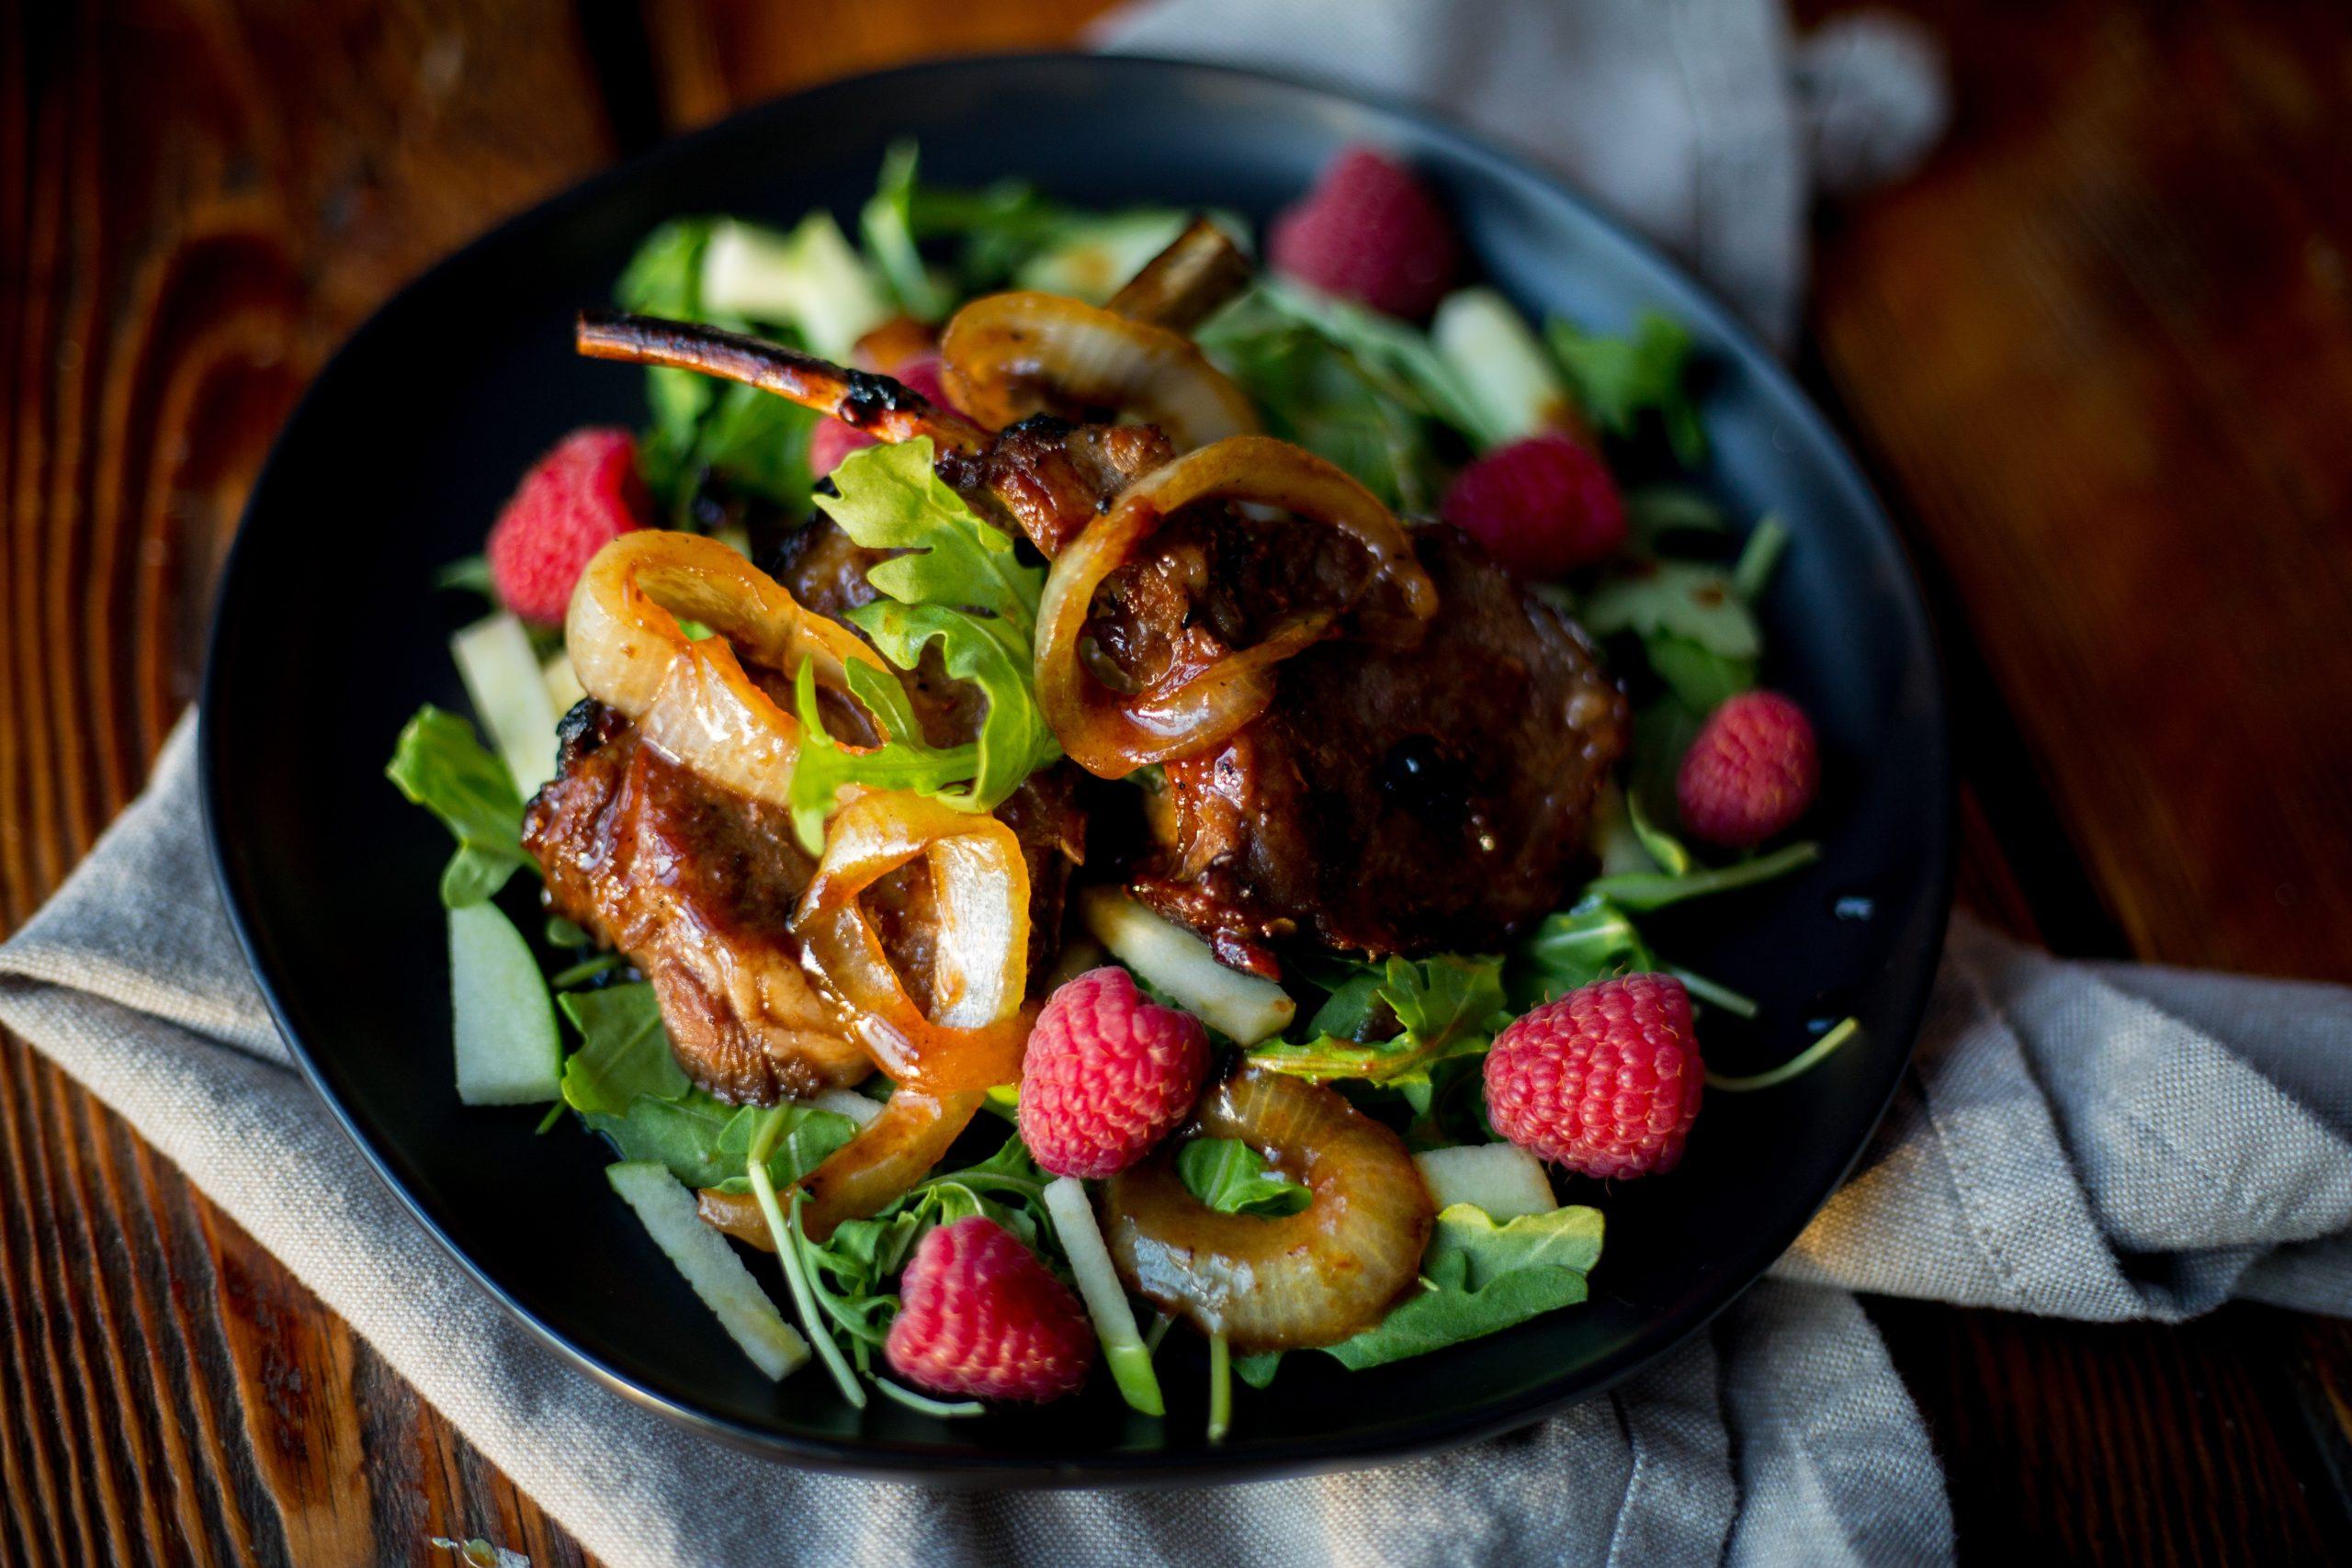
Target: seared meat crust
1398,801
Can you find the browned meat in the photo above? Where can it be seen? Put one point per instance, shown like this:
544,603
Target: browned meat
696,886
1049,477
1398,801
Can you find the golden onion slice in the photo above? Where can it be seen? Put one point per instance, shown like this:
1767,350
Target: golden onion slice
692,699
1006,356
1314,1278
979,884
1111,734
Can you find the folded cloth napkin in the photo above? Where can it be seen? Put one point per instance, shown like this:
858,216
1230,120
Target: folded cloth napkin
2080,1140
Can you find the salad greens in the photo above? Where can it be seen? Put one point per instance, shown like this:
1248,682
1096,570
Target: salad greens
960,585
1478,1278
1400,408
1234,1178
440,765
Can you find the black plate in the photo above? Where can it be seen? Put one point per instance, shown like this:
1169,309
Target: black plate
328,634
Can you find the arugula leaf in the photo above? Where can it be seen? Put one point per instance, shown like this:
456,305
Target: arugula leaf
1393,349
892,499
961,586
887,225
440,765
1012,233
1446,1006
1618,380
851,1271
1014,738
1233,1179
1694,624
807,1135
1257,1371
1690,600
1481,1278
624,1054
1590,941
825,766
681,1134
1317,394
1478,1278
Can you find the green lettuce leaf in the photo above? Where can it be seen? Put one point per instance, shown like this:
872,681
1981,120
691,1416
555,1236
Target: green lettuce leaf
1618,379
624,1054
440,765
1316,392
1480,1278
1234,1178
1447,1006
892,500
886,226
756,444
960,586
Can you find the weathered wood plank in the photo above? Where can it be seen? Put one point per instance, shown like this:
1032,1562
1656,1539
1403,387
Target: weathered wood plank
196,202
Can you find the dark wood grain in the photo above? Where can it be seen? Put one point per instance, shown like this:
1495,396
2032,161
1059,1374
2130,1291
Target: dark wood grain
2099,354
2100,351
196,201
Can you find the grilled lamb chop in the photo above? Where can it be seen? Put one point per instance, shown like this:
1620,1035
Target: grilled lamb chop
698,886
1392,799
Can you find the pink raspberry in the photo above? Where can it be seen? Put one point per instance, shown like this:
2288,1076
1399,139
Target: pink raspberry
1542,506
1604,1081
1371,231
1752,771
576,499
981,1316
834,439
1107,1074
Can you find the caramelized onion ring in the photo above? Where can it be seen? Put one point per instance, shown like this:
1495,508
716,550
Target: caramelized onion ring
1111,735
692,699
1009,355
980,972
862,1177
1304,1279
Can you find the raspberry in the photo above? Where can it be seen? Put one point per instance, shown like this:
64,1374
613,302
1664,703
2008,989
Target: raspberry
1107,1074
1604,1081
1369,231
834,439
1541,506
1750,773
579,498
980,1315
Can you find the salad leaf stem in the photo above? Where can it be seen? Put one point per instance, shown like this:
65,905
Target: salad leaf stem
1713,993
1221,1389
1645,891
788,1236
1796,1066
1758,557
944,1409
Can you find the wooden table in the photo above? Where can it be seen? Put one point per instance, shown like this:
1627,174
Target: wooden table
2099,354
